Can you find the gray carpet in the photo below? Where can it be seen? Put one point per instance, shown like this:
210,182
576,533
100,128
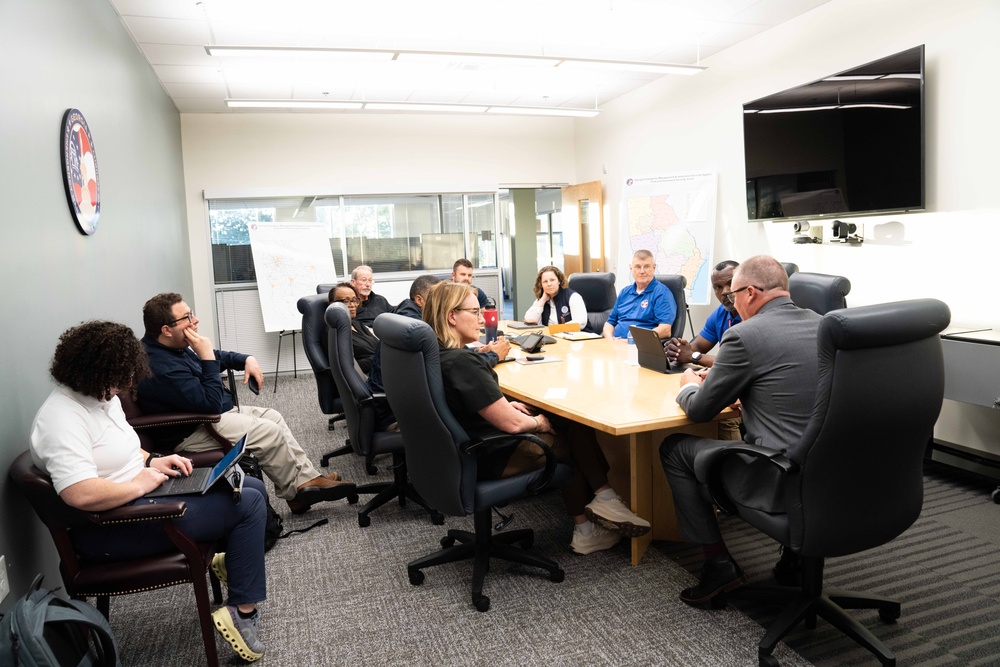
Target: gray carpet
340,594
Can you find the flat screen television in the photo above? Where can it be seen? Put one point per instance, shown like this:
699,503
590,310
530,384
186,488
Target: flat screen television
848,144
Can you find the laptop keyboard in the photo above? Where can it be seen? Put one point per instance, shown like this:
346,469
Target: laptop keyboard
192,483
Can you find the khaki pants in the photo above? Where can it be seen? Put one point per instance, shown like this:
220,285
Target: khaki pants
268,438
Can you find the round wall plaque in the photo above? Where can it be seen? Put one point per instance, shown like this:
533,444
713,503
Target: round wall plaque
83,187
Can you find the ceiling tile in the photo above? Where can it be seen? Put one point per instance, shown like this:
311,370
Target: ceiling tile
196,90
160,8
168,31
169,54
187,74
195,105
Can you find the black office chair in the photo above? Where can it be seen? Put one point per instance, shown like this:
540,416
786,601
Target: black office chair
442,459
598,292
676,284
790,268
312,308
366,439
819,292
854,480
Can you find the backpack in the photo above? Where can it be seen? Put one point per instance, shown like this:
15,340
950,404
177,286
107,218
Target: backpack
274,524
42,630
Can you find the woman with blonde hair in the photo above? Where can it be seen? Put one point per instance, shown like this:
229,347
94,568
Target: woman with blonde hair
474,397
555,302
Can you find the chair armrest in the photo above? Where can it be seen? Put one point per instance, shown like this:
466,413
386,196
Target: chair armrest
378,399
717,460
138,512
173,419
484,442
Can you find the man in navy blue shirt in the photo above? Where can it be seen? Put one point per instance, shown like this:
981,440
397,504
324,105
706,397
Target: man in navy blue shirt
646,303
722,318
186,378
461,272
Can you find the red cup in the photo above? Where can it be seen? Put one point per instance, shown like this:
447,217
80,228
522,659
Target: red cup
492,318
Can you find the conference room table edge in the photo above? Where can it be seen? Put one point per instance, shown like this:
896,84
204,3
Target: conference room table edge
640,437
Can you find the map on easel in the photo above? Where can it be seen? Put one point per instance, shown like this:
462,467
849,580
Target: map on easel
290,260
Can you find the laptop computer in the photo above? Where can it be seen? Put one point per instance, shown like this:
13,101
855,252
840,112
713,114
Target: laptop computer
651,352
201,479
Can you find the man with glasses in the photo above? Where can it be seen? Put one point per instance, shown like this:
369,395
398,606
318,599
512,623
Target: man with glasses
187,378
372,304
769,364
646,303
718,323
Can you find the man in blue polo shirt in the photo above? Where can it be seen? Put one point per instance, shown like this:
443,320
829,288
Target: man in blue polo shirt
722,318
646,303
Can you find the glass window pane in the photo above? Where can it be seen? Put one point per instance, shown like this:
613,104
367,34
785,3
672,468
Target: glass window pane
482,230
231,258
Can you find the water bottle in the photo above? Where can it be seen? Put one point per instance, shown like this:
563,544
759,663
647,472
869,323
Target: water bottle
491,317
633,351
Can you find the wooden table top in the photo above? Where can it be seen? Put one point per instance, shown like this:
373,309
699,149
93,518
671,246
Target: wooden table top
594,384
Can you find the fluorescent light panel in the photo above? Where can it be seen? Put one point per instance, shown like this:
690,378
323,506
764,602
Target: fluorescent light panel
483,58
414,106
411,106
292,104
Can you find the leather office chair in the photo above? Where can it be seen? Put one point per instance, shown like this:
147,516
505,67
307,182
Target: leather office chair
676,285
598,292
790,268
157,432
83,579
819,292
854,480
366,438
314,342
441,458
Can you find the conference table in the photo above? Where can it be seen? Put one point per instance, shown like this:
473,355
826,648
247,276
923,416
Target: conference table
596,382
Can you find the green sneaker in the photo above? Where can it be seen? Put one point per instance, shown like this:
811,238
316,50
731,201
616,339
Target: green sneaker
241,633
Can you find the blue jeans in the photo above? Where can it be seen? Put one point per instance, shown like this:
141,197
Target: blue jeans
210,517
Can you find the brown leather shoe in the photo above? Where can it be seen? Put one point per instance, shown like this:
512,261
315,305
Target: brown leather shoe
333,476
320,489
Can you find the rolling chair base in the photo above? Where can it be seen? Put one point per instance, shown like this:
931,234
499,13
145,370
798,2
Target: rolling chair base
481,546
400,488
830,604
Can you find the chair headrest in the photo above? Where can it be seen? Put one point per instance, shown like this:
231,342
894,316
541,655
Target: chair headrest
884,324
674,281
312,304
597,289
405,333
819,292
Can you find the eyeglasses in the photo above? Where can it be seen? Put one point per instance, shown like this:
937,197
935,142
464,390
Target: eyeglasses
351,301
189,317
731,296
474,311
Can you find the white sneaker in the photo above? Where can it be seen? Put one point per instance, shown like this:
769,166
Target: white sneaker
598,540
615,515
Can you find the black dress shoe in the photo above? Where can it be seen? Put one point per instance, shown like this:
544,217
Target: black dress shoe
788,570
719,575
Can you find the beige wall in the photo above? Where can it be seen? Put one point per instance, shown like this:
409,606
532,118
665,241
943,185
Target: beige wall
303,154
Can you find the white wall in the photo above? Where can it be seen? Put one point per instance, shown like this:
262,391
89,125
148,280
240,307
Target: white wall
681,124
303,154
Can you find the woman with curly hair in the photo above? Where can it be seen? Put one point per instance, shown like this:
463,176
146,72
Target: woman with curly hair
80,438
473,394
555,302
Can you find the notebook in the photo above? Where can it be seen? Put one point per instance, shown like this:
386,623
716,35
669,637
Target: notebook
651,352
201,479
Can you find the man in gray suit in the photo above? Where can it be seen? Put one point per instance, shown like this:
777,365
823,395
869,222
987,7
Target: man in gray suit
769,364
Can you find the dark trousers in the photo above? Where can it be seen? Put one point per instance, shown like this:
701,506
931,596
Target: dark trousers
752,483
210,517
573,443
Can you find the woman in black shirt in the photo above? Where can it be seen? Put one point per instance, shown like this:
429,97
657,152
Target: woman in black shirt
473,394
364,340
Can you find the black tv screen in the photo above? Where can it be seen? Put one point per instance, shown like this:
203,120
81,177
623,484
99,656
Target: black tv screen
848,144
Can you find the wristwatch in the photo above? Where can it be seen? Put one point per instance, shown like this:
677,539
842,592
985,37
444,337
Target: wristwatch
695,356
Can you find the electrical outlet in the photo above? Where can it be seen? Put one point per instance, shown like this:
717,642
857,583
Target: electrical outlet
4,584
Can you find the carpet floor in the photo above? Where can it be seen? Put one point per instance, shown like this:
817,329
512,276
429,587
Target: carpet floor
339,594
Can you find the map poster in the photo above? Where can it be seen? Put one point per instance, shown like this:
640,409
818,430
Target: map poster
290,260
673,216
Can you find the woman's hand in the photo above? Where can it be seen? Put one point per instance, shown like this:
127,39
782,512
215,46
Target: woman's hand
173,465
147,480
